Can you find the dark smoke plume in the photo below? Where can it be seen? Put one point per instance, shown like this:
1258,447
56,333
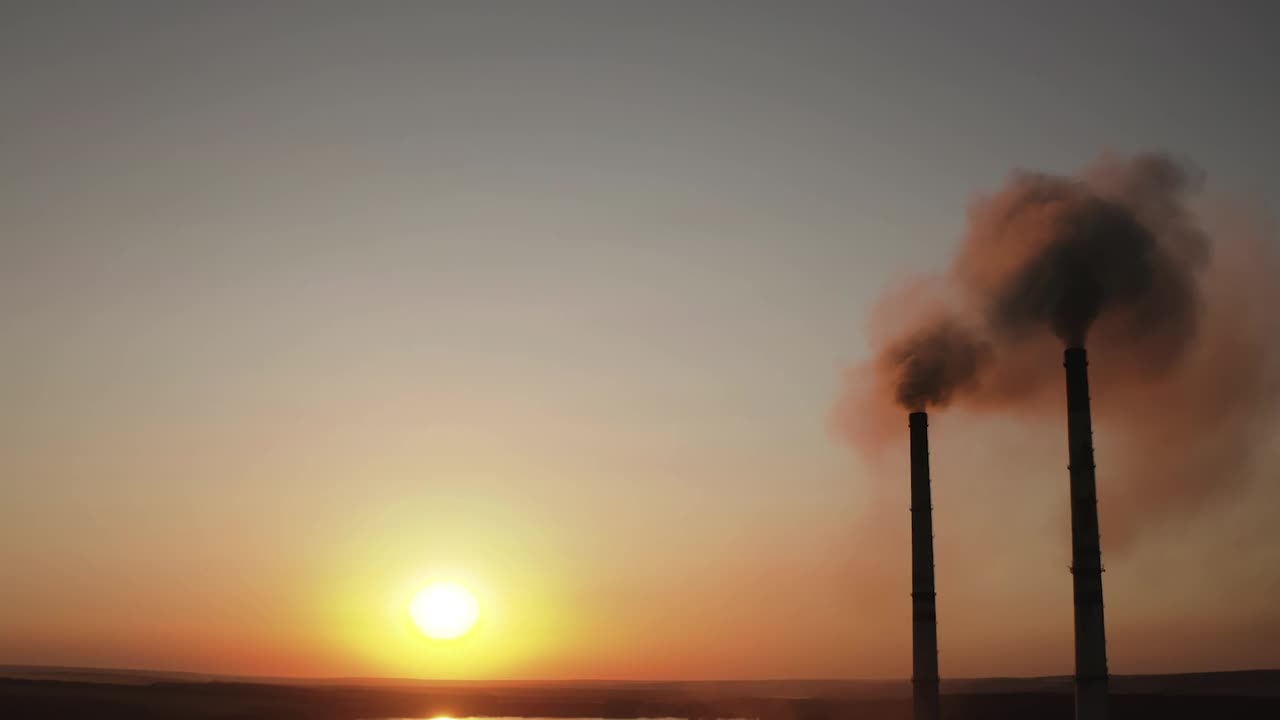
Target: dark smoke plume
933,363
1100,257
1059,254
1115,257
1083,249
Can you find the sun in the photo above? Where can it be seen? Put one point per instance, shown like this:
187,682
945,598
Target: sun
444,610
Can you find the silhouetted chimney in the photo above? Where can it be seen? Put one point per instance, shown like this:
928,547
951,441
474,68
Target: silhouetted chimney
924,616
1086,553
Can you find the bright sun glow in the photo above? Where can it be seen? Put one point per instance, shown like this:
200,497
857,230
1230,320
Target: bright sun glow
444,610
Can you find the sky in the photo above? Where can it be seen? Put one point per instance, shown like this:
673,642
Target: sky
306,305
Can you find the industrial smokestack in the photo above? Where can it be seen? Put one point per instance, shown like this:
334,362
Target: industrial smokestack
1086,553
924,617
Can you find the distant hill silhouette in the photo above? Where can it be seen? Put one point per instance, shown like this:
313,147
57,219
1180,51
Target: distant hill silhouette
50,692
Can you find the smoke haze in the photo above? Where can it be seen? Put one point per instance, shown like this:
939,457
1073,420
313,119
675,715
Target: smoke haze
1117,257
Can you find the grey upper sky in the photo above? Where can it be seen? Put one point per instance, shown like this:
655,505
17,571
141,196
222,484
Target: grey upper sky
607,260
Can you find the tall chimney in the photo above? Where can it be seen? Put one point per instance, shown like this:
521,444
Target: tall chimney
924,617
1086,553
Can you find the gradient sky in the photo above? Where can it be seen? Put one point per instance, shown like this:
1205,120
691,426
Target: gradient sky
305,304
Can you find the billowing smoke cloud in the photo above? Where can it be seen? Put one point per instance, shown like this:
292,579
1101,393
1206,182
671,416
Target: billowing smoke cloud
1114,257
933,363
1058,254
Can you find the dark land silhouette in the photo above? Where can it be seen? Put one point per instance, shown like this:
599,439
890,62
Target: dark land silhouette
43,693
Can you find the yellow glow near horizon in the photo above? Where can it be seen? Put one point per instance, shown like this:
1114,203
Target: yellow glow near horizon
444,610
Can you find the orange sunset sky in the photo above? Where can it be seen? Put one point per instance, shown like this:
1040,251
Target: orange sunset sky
305,306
